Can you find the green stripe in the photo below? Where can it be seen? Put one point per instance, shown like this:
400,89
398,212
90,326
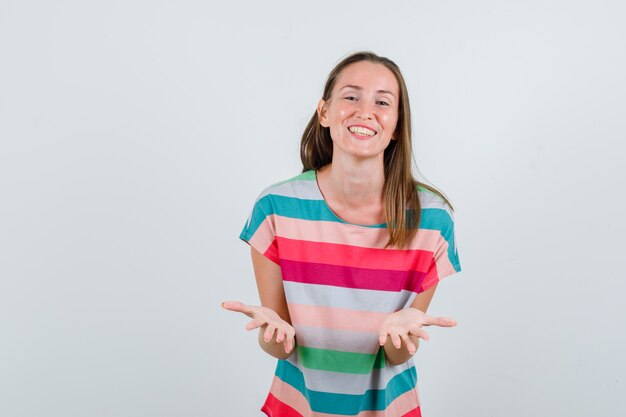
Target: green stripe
338,361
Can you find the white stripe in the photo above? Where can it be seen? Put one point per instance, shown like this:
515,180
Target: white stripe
431,200
348,298
337,339
302,189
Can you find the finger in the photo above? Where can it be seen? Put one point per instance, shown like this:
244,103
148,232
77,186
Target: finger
395,339
269,332
440,321
289,339
410,346
238,307
280,335
257,322
232,305
419,332
382,338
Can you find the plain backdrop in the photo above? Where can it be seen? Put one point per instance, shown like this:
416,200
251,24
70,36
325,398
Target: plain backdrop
136,135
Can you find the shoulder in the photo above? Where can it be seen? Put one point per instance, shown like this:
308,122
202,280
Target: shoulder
431,198
281,197
436,212
302,186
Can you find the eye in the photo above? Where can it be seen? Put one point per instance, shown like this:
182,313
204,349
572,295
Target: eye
350,98
382,102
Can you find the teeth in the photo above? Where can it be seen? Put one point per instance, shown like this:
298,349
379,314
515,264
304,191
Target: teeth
361,130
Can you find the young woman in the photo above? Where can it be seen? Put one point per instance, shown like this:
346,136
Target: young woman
347,255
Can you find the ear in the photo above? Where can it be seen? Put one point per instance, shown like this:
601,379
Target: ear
321,113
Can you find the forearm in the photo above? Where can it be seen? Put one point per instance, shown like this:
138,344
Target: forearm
274,348
397,356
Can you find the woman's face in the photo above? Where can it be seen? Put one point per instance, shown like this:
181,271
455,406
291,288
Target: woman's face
362,111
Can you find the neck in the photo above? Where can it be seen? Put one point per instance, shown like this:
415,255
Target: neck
355,184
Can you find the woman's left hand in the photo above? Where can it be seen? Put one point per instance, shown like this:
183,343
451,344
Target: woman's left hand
409,321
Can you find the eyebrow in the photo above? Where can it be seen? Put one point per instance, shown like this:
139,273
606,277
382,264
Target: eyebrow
356,87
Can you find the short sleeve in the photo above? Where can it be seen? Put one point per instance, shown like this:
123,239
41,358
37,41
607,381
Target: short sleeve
260,228
445,261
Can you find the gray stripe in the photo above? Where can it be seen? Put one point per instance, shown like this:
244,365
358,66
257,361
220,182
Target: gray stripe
344,383
348,298
335,339
303,189
432,200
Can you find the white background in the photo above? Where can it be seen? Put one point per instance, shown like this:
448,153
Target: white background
135,136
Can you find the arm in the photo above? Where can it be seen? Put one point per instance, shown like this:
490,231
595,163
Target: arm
272,295
398,327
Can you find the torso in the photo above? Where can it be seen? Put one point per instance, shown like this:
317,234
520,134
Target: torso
340,283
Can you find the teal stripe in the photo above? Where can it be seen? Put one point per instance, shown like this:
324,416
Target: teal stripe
439,219
347,404
287,207
431,218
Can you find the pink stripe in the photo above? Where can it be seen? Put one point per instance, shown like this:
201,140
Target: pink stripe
334,232
413,413
290,396
336,318
342,276
264,235
263,240
440,268
444,267
273,407
297,235
403,405
353,256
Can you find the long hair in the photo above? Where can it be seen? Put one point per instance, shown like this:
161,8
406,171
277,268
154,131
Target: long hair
400,189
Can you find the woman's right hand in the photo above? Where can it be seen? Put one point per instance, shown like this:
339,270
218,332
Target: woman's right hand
275,328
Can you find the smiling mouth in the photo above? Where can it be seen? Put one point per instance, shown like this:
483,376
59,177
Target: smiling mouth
361,131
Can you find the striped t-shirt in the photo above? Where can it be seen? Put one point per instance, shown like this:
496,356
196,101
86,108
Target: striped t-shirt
340,284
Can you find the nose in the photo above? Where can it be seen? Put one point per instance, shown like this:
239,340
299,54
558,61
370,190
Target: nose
365,109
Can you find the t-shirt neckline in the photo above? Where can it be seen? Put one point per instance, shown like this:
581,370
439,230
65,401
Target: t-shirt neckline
339,219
